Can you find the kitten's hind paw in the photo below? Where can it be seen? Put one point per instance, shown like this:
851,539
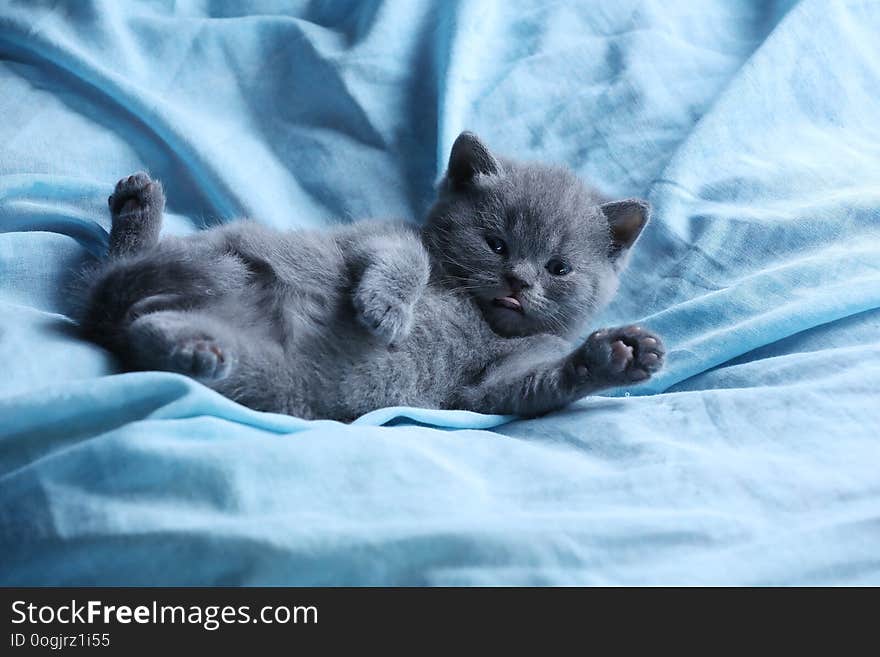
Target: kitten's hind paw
136,207
134,193
201,359
618,356
169,341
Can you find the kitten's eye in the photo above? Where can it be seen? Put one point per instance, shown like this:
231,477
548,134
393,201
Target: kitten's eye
497,245
557,267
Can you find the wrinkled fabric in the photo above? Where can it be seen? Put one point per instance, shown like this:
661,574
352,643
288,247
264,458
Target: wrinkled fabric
752,127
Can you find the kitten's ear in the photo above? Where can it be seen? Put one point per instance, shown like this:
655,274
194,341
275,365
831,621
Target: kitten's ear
469,158
626,219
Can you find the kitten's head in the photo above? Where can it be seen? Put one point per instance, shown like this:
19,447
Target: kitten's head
538,250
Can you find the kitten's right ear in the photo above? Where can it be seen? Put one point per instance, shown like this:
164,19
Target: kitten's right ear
469,158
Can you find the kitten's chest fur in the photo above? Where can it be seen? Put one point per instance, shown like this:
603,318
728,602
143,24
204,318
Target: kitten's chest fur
448,346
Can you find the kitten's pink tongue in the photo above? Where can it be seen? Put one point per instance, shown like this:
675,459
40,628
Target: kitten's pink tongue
508,302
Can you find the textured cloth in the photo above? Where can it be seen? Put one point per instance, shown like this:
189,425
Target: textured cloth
751,126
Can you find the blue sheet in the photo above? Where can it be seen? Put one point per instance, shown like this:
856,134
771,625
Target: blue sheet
751,126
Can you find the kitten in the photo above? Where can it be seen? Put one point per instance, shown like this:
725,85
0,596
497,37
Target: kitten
474,312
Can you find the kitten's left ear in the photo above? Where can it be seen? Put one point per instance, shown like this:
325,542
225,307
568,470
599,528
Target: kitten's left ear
626,219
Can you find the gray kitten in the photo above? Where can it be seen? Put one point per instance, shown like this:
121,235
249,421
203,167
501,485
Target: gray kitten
474,312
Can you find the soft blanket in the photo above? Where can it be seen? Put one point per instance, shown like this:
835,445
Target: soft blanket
752,126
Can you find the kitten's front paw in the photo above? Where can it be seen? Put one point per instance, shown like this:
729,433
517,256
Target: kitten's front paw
626,354
136,192
384,315
200,358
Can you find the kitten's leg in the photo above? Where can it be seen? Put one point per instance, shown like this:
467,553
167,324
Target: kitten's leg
136,207
190,343
245,367
609,358
395,274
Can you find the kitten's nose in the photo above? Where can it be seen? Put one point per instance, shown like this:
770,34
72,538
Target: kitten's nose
516,284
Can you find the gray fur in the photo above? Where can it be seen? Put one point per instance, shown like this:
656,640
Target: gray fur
336,323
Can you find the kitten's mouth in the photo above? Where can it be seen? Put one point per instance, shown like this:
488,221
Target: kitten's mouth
511,303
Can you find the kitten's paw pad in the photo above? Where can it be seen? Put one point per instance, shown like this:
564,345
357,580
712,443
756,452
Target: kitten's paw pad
383,315
200,358
627,354
136,192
